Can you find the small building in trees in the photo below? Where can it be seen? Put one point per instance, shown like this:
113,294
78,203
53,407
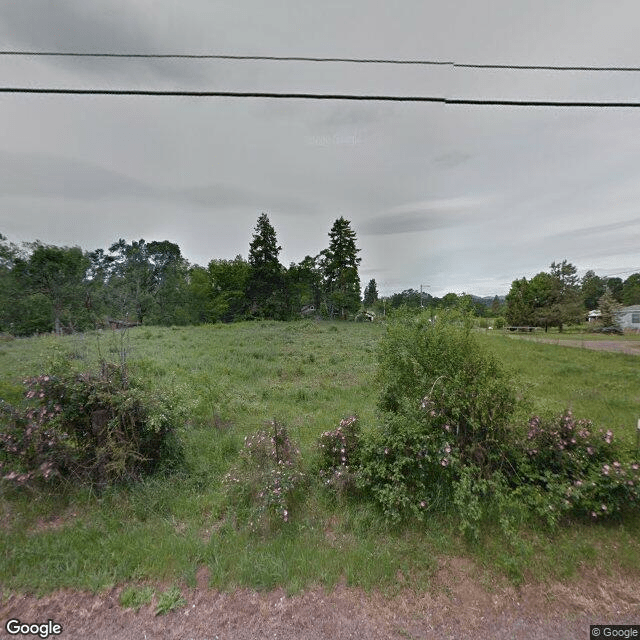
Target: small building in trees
594,316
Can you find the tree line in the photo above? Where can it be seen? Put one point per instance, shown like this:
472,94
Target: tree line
558,297
48,288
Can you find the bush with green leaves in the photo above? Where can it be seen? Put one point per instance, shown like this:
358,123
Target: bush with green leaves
409,465
266,477
447,442
438,365
339,449
447,405
571,467
90,428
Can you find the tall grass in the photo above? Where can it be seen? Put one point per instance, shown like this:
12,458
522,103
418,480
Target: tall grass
307,376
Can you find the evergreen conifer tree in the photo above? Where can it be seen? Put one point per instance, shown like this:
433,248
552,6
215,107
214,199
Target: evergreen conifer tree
370,293
266,284
340,266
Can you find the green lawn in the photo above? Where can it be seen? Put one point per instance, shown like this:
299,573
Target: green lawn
601,386
307,375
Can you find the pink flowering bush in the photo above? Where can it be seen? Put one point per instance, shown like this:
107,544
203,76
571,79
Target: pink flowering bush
339,450
577,469
87,428
410,466
448,405
448,441
439,366
265,479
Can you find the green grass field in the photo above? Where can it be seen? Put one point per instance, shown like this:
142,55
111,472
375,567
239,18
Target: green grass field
308,376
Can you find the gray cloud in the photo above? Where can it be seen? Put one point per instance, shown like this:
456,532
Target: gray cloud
48,176
221,196
425,215
76,25
560,183
597,229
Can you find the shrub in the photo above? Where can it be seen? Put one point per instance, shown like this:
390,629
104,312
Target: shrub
94,429
577,468
447,442
339,451
409,465
266,476
439,366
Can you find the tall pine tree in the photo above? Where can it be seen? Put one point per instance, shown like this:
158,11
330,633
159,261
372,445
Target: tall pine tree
370,293
340,266
266,283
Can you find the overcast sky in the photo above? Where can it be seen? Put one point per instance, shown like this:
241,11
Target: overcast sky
455,198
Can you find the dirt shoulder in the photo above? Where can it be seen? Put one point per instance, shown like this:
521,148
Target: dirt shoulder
460,605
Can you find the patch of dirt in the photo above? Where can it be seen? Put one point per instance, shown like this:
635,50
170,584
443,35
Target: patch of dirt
458,606
54,522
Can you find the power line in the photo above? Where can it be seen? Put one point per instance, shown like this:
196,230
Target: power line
319,96
207,56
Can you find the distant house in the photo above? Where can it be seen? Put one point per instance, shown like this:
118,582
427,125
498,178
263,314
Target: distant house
307,310
629,317
594,316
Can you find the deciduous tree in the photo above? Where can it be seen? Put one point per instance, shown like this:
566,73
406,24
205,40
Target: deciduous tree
593,287
631,290
58,274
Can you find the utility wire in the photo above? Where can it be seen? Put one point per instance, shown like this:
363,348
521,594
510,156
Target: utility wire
205,56
321,96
